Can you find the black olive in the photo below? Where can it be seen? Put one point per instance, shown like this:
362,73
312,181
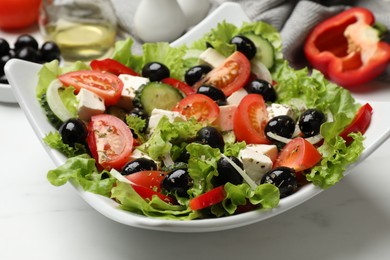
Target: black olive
281,125
177,182
282,177
184,156
311,121
3,79
26,40
155,71
214,93
3,61
196,73
4,47
262,87
137,165
211,136
136,111
50,51
73,131
244,45
227,173
28,54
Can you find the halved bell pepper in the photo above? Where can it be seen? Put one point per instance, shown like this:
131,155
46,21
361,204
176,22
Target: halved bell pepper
347,49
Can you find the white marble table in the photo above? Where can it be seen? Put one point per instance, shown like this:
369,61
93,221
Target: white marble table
39,221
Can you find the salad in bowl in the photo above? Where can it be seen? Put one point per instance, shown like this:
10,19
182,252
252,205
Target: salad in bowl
221,131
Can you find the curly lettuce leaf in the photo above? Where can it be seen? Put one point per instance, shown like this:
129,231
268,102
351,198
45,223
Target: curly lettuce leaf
54,140
81,171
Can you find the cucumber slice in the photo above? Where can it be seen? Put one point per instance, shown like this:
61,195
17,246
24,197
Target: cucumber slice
264,50
157,95
55,102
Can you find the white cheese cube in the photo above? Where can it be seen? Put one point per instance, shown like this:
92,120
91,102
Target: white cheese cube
157,114
280,110
211,57
224,122
89,104
255,164
130,85
269,150
236,97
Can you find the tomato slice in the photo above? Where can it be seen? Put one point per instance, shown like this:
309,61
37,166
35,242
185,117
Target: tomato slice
112,66
208,199
230,76
105,85
148,179
148,194
110,141
360,123
250,120
198,106
180,85
298,154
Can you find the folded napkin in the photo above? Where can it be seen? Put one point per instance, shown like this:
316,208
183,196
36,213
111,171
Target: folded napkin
293,18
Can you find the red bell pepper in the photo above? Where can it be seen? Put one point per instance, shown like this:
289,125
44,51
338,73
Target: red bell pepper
347,49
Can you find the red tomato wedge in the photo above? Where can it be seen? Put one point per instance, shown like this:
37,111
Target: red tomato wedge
298,154
112,66
208,199
105,85
198,106
180,85
110,141
360,123
250,120
148,194
230,76
148,179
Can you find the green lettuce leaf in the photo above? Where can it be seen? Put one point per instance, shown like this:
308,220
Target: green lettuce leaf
81,171
54,140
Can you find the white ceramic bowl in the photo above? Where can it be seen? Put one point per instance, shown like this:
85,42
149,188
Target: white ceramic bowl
23,78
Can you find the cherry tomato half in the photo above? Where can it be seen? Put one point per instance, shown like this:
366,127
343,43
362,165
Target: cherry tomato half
110,141
18,14
298,154
148,179
198,106
360,123
208,199
230,76
112,66
180,85
105,85
250,120
148,194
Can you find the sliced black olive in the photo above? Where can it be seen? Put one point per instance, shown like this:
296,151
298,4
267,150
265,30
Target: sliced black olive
210,136
137,165
310,122
262,87
177,182
73,131
282,177
244,45
281,125
214,93
155,71
227,173
196,73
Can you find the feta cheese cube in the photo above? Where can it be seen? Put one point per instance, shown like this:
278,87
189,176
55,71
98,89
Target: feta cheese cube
211,57
89,104
236,97
130,85
269,150
280,110
157,114
255,164
224,122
